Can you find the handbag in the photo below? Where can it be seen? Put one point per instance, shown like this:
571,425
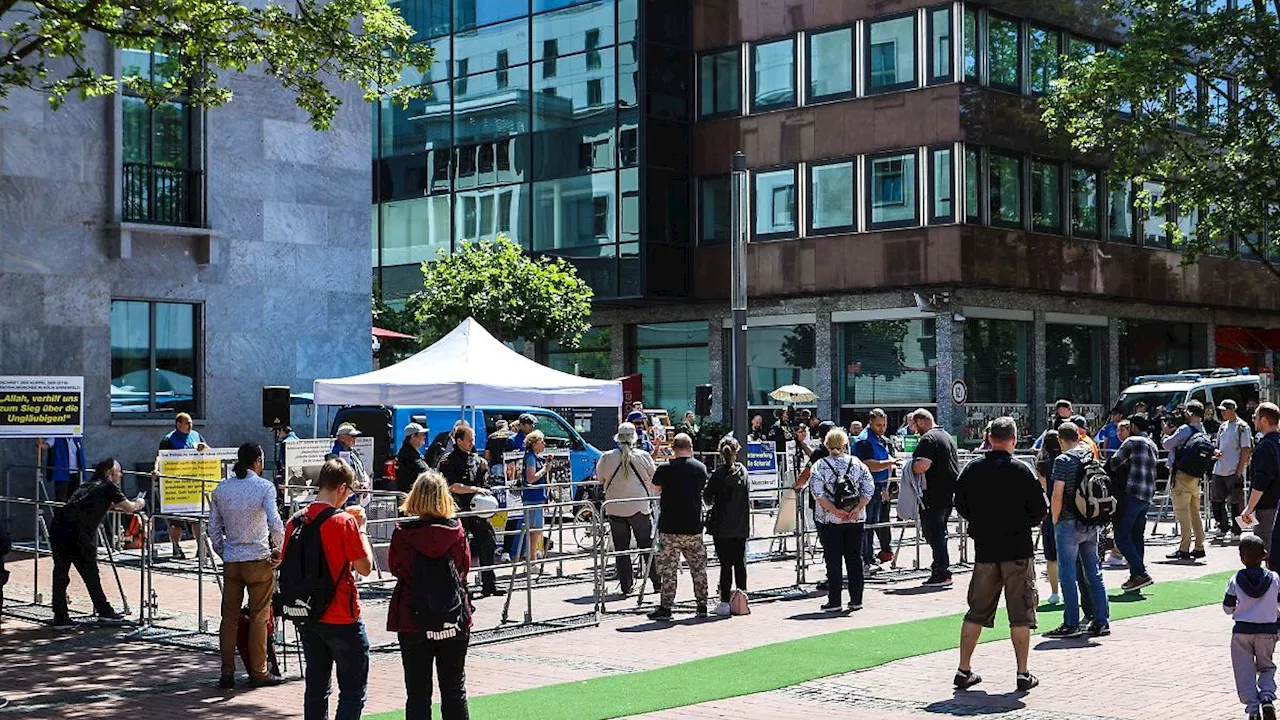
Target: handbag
738,604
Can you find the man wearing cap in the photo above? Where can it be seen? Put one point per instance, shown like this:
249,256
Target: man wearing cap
344,448
626,473
1226,491
636,418
524,425
409,461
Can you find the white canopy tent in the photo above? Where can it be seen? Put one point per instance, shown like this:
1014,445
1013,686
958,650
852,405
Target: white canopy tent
469,368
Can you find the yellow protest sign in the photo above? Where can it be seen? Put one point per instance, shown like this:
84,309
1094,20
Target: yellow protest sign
185,474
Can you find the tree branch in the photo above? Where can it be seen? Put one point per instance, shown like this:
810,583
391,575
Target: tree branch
80,16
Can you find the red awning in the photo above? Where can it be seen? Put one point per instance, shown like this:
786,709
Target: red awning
1247,340
390,334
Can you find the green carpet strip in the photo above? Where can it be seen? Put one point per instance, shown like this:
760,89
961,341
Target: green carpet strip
779,665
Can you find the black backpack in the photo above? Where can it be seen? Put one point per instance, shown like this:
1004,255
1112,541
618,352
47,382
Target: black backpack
844,494
1095,503
1195,456
437,598
306,588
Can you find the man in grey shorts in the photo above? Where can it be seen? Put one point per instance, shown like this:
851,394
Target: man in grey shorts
1002,501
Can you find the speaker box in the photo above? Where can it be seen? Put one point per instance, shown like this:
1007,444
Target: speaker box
702,400
275,405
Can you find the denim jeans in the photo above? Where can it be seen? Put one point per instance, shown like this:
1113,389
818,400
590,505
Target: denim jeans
325,646
877,512
1130,527
933,523
418,653
1078,542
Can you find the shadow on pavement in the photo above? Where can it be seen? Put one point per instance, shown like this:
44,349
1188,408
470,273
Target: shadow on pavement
969,703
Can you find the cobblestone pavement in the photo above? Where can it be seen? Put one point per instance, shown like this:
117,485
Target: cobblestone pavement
1176,657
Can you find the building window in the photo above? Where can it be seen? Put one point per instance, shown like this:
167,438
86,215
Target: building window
592,44
1044,48
154,358
773,75
1188,221
1078,48
1004,53
1153,215
1217,98
892,180
550,53
1120,209
595,92
1073,363
971,45
720,83
973,195
942,186
1084,202
776,356
888,362
1156,347
891,54
831,194
1004,189
830,67
715,210
600,216
503,63
1046,196
162,182
672,358
775,203
940,46
996,360
590,359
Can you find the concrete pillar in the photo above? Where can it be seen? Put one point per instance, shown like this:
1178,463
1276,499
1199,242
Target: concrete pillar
824,375
1116,381
618,349
1211,344
950,335
720,379
1039,390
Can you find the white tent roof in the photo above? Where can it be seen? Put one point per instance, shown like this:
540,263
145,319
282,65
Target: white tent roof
469,367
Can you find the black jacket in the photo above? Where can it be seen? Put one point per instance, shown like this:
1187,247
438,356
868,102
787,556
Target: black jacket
728,492
1002,500
464,468
409,465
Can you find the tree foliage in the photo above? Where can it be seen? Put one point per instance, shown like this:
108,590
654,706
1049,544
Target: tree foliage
1215,152
304,44
511,294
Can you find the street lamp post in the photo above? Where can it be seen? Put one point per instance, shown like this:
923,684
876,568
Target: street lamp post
739,297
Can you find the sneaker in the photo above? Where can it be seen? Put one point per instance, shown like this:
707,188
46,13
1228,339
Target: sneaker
226,681
1097,629
701,610
1027,681
855,607
1054,599
1134,584
722,609
1179,555
938,582
660,613
1116,561
1268,710
966,679
110,618
265,681
1065,631
869,570
1197,554
828,607
885,556
504,557
62,622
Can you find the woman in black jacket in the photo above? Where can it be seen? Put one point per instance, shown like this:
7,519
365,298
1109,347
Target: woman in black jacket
728,492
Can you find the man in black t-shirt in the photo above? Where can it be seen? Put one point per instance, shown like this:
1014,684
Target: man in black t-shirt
935,458
74,540
468,475
680,483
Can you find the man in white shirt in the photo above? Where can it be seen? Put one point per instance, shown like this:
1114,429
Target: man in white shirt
1226,491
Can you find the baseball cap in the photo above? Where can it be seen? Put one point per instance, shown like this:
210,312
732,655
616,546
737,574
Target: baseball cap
527,419
413,428
348,429
635,415
1227,405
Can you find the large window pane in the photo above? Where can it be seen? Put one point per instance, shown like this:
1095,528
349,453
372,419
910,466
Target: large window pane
468,14
575,212
1154,347
888,362
1046,196
891,54
941,186
831,64
583,28
130,356
153,357
672,358
1044,52
1084,202
175,348
773,74
778,356
940,45
831,194
715,210
973,195
1004,53
489,49
996,364
582,91
971,45
592,357
775,203
1073,363
1004,189
422,124
1120,209
1153,215
719,83
414,230
491,106
892,180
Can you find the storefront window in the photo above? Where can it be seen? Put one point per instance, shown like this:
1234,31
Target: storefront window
1073,363
590,359
776,356
1149,347
888,362
996,360
672,359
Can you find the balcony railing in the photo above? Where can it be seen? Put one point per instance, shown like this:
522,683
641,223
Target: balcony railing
163,195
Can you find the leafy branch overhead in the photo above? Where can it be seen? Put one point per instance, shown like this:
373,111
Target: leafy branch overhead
47,46
511,294
1191,100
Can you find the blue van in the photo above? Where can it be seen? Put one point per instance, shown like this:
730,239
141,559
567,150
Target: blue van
386,426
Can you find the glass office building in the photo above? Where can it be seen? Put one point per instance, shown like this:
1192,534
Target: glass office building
538,127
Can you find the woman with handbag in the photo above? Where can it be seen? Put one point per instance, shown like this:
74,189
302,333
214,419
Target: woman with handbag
842,486
728,519
430,610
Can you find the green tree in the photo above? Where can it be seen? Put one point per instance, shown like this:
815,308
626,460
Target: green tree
511,294
305,45
1161,107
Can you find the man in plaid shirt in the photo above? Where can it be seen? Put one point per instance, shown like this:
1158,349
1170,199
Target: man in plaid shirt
1136,462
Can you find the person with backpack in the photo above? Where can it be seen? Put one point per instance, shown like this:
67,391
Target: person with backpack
1076,534
842,486
1136,461
626,473
1191,452
323,544
430,611
1002,501
728,520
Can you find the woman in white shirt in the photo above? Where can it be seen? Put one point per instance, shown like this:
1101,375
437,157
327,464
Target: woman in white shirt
842,486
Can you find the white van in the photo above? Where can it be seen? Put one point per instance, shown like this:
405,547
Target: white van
1208,385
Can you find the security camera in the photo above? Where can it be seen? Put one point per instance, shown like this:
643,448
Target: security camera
921,304
958,317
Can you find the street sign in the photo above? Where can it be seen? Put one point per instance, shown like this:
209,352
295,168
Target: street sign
959,392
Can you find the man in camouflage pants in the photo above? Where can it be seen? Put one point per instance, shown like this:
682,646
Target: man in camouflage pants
680,483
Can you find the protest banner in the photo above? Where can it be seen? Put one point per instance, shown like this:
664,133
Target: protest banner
181,476
304,458
762,469
35,406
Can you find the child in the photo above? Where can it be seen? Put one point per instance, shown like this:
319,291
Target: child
1251,600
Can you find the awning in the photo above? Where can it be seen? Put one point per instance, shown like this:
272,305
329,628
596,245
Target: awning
385,334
